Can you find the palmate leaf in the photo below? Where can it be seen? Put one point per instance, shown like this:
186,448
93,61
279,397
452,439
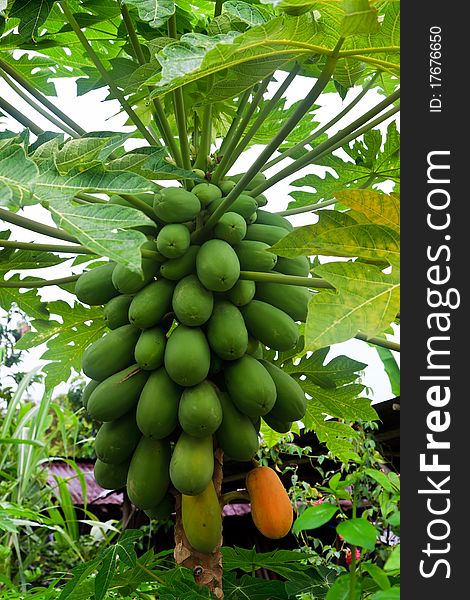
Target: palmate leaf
37,69
252,588
31,15
383,209
154,12
82,153
150,162
28,301
282,562
366,301
17,171
341,403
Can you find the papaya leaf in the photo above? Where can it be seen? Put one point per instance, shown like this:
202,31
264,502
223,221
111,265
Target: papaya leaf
150,162
341,403
367,301
359,17
379,208
282,562
154,12
17,171
314,582
79,154
252,588
391,368
29,302
340,590
31,15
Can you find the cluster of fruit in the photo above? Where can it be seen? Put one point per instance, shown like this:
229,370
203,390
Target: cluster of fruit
183,360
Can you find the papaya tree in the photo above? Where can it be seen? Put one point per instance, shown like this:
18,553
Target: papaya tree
201,316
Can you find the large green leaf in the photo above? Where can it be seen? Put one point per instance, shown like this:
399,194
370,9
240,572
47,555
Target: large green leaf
17,172
253,588
31,15
366,300
341,403
81,154
150,162
284,562
383,209
154,12
315,516
358,532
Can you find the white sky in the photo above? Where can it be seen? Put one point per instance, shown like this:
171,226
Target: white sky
93,114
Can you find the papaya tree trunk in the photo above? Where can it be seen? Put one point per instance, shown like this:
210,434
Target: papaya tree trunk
207,568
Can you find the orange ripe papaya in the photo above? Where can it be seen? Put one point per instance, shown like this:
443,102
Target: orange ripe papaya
271,508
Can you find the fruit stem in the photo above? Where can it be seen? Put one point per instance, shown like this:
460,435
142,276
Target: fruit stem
204,148
25,223
44,247
379,341
243,99
37,283
19,117
273,277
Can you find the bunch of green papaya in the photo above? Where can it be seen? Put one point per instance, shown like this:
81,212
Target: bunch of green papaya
183,366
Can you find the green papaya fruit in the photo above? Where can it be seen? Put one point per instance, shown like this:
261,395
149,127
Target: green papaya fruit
187,356
231,228
110,353
148,477
291,299
244,205
192,302
202,520
116,440
206,192
199,172
291,402
87,391
117,395
299,266
269,234
162,511
150,348
176,205
173,240
95,287
226,186
270,325
226,331
217,265
255,256
236,435
254,348
261,200
242,292
192,464
257,180
130,282
177,268
109,476
250,386
268,218
277,424
151,304
116,311
157,409
199,412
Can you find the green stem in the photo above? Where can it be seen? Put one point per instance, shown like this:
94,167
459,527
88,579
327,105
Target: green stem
318,132
379,341
264,113
37,107
353,570
15,219
218,7
140,205
336,141
136,47
277,140
90,199
34,247
307,208
228,160
37,283
235,122
204,146
273,277
105,75
20,117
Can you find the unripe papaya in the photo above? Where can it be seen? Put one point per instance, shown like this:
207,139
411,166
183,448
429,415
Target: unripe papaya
177,268
206,192
265,217
226,186
242,292
110,353
202,520
150,348
109,476
231,228
148,199
87,391
130,282
292,299
95,287
117,395
226,331
157,409
277,424
176,205
162,511
148,477
271,508
299,266
116,311
269,234
261,200
192,464
254,348
257,180
244,205
250,386
151,304
217,265
192,302
270,325
199,412
291,402
236,435
187,356
116,440
255,256
173,240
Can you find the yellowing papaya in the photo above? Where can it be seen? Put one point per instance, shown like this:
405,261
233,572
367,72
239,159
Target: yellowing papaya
271,508
157,409
176,205
148,477
217,265
202,520
226,331
110,353
250,386
192,464
117,395
95,287
200,412
236,434
177,268
150,348
109,476
270,325
187,355
291,402
116,440
192,302
151,303
116,311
